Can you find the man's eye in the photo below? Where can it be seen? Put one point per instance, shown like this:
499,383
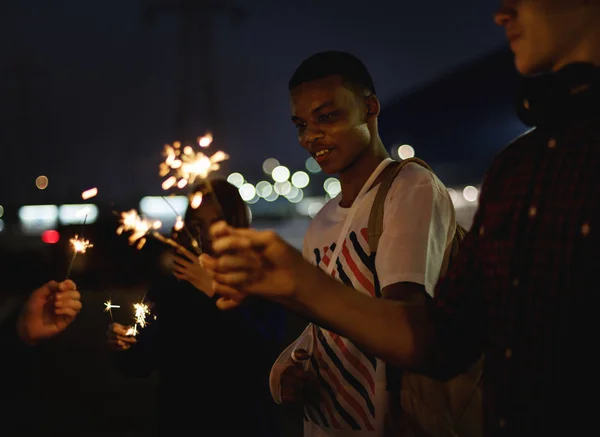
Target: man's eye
324,118
300,126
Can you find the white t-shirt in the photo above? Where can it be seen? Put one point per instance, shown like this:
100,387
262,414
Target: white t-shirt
416,231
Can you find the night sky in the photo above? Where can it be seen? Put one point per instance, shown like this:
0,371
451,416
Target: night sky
89,89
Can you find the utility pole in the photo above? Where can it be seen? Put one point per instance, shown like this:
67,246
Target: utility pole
198,102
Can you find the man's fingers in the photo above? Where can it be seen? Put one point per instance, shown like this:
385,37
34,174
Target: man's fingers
68,296
67,285
68,312
233,279
228,292
231,243
67,303
244,261
225,303
220,229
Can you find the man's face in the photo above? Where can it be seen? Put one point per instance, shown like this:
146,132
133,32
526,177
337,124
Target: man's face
332,122
544,35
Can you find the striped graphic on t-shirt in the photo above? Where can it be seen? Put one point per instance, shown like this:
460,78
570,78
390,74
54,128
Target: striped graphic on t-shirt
345,374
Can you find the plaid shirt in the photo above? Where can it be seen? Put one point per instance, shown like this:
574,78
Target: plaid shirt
522,288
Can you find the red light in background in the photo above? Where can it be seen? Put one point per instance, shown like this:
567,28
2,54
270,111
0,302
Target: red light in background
50,237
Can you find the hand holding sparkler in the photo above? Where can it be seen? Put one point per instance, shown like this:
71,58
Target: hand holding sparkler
48,311
187,267
118,337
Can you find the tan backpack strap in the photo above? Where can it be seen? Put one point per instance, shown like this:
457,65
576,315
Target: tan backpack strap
375,228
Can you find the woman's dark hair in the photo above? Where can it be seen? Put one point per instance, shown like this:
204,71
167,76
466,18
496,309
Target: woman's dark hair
233,208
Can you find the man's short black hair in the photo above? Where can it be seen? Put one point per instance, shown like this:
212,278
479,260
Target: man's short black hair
331,63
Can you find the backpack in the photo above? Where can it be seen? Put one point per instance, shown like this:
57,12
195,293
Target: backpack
428,407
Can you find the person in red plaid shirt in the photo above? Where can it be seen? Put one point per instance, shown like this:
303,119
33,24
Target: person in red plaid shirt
522,287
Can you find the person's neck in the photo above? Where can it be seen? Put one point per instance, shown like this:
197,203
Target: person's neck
353,178
587,51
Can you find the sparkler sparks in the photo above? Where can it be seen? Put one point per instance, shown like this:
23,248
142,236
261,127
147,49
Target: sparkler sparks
184,165
109,306
80,245
141,310
141,228
178,224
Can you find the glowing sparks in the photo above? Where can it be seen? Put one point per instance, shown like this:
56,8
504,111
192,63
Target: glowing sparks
141,228
196,200
138,226
80,245
88,194
206,140
141,309
182,166
178,224
109,306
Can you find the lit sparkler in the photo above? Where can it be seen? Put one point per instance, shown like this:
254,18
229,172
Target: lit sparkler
109,306
141,228
180,225
182,166
186,165
141,310
79,245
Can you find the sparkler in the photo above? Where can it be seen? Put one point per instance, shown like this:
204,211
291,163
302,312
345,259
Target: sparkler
179,225
141,228
184,165
109,306
79,245
141,310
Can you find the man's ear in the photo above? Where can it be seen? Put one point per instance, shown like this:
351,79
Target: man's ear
373,106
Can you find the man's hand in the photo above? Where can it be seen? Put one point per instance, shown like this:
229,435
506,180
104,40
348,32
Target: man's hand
251,262
299,385
48,311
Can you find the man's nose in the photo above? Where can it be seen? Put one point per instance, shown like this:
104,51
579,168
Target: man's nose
505,13
311,136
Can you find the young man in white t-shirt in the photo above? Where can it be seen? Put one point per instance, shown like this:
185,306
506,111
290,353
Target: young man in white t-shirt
335,110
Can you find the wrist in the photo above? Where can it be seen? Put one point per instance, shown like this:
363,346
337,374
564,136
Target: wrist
23,331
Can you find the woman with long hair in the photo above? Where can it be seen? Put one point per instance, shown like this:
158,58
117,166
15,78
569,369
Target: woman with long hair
213,365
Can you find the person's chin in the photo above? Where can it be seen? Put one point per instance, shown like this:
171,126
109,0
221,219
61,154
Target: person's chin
528,66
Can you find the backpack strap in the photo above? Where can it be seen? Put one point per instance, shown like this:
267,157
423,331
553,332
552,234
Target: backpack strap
375,228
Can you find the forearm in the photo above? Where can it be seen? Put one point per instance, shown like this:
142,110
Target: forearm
396,332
